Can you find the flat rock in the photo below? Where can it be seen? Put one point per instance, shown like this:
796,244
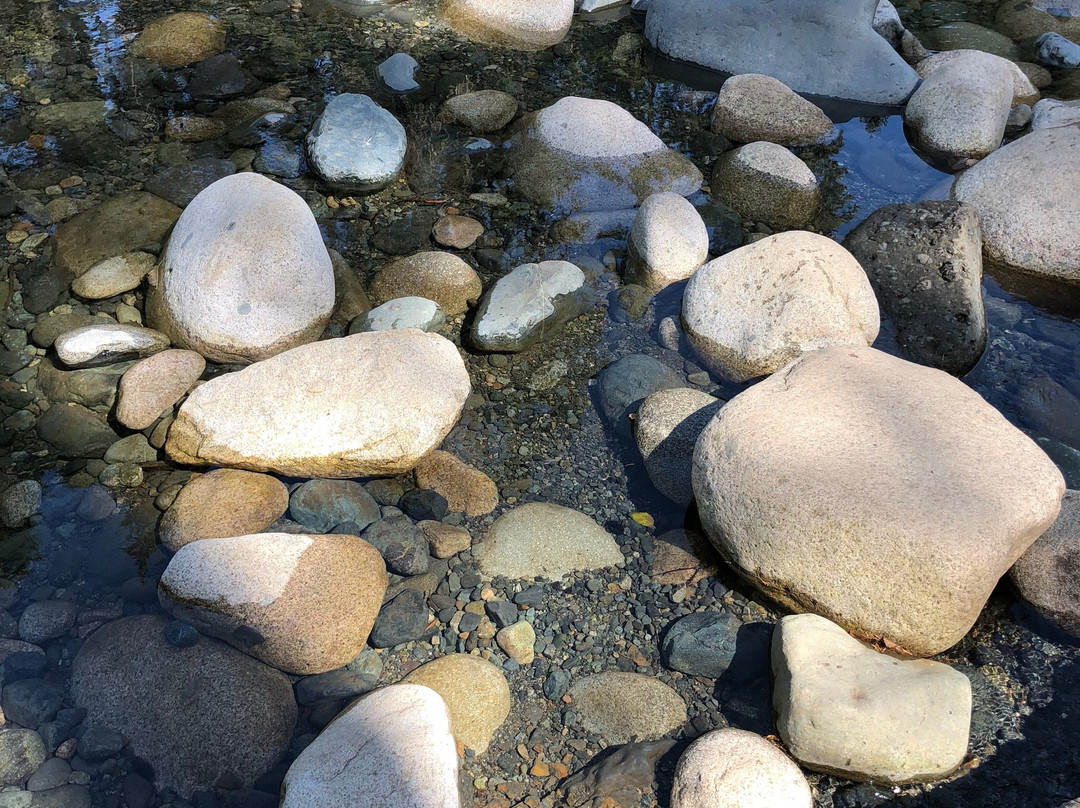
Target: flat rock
682,557
401,313
924,261
624,384
195,714
457,232
666,430
349,119
391,747
750,312
75,431
180,39
466,489
821,48
150,387
369,404
475,692
220,503
119,225
584,154
438,276
925,479
544,540
964,35
733,768
667,242
309,602
107,343
845,709
181,184
701,644
114,276
94,388
624,707
1026,197
480,112
767,183
403,548
753,107
529,305
1044,573
517,24
206,295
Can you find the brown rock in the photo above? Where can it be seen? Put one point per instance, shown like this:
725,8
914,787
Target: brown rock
682,557
119,225
480,112
445,540
180,39
466,489
458,232
193,129
152,386
438,276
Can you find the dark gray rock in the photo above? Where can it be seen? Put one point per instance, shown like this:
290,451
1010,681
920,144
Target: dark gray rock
23,665
21,752
701,644
624,384
66,796
217,77
403,548
503,613
74,431
31,702
138,791
401,620
1047,575
93,388
47,620
100,743
423,504
355,679
621,774
181,184
556,684
322,504
924,261
180,634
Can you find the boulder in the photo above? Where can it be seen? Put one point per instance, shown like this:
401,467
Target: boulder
1026,197
74,431
302,603
221,503
107,343
517,24
1051,112
924,260
438,276
544,540
1024,91
196,714
666,429
930,496
114,276
753,107
1024,19
624,384
531,304
667,242
733,768
475,692
350,119
480,112
150,387
245,275
847,710
750,312
1044,575
180,39
623,707
390,747
119,225
767,183
467,490
826,47
584,154
369,404
322,505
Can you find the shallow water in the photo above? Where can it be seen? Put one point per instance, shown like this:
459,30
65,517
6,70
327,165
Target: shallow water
546,444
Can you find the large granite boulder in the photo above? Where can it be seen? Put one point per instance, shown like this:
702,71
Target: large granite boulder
1045,575
517,24
884,495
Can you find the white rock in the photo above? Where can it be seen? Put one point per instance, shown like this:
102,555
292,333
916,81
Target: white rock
398,73
888,24
113,276
368,404
590,6
1024,92
245,274
1051,112
519,24
111,342
733,768
667,242
845,709
403,312
391,747
767,183
666,429
750,312
528,305
351,120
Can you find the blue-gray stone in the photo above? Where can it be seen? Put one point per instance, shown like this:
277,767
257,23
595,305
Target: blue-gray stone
503,613
624,384
355,679
356,144
398,73
100,743
701,644
31,702
401,546
401,620
180,634
319,505
401,312
1054,50
556,684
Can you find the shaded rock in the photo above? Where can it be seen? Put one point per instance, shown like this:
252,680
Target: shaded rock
467,490
195,714
480,112
1023,19
401,313
152,386
59,321
322,504
21,752
75,431
107,343
529,305
358,677
401,620
541,539
891,434
368,404
622,707
622,773
30,702
348,119
181,184
475,692
204,294
845,709
437,276
666,429
767,183
624,384
350,295
403,548
667,242
180,39
517,24
682,557
752,107
1045,575
219,76
312,600
46,620
19,502
701,644
132,449
113,276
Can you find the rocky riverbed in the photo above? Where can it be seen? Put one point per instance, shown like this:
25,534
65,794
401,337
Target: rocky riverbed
622,435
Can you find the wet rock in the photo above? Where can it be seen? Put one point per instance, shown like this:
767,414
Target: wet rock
1054,50
682,557
529,305
21,752
831,48
480,112
217,77
586,228
100,743
180,39
845,709
280,159
1023,90
312,600
667,242
541,539
322,504
349,119
622,774
1045,574
194,129
53,773
46,620
350,296
180,634
401,620
150,387
31,702
401,313
195,714
220,503
753,107
59,321
444,540
392,747
622,707
457,232
86,117
437,276
19,502
467,490
181,184
960,110
924,261
202,296
701,644
1024,19
75,431
518,641
475,692
666,429
113,276
732,768
945,545
358,677
624,384
399,72
888,24
71,795
107,343
965,35
517,24
404,550
132,449
591,155
121,224
767,183
1051,112
1014,188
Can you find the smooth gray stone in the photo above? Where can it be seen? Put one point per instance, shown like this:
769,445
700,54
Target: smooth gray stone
356,144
